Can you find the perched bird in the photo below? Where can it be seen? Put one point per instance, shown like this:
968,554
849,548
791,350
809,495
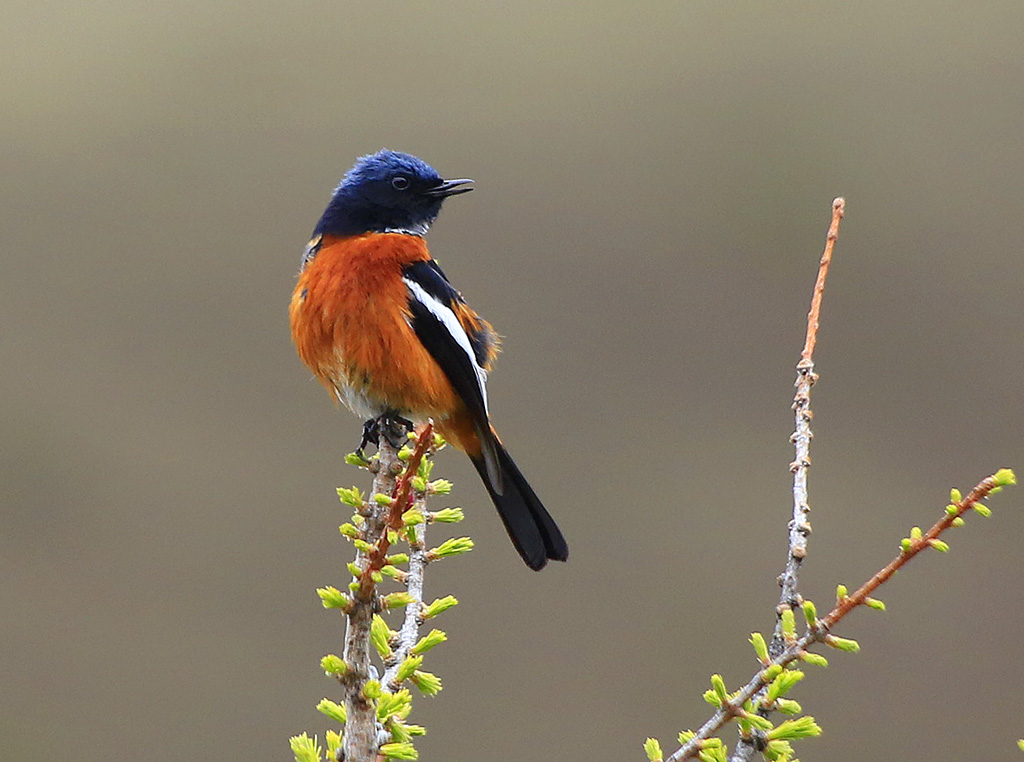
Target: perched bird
381,327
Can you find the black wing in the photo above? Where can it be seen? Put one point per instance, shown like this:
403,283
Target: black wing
433,304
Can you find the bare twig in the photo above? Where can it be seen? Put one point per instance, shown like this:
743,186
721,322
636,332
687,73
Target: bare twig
819,631
361,742
800,526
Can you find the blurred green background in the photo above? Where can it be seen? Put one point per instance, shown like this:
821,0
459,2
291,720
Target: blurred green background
654,182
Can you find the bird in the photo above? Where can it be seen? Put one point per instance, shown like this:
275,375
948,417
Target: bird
381,327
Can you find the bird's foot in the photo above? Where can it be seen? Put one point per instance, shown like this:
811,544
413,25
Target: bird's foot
393,427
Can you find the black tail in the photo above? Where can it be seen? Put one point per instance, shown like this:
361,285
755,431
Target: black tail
530,527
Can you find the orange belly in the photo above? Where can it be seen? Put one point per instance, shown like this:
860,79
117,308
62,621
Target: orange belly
350,324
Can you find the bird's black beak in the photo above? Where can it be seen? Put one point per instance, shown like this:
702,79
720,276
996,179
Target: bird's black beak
449,188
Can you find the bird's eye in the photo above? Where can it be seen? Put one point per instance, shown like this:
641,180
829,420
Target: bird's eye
400,183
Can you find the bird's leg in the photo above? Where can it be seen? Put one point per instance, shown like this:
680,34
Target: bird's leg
371,435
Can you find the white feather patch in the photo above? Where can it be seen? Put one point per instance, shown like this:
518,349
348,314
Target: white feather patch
443,313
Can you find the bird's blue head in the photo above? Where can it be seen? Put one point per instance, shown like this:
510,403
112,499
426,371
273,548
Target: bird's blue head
388,191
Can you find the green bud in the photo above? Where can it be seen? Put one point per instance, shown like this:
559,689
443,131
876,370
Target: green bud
995,490
451,547
712,698
686,736
915,533
407,667
840,593
810,613
412,517
982,509
843,644
305,749
713,754
718,686
757,721
652,749
416,730
425,469
788,706
957,522
791,730
788,622
354,570
440,487
358,520
393,572
448,516
874,603
362,545
399,751
816,659
905,544
1005,477
440,605
760,647
397,600
353,459
428,683
438,441
333,598
335,711
392,537
779,751
939,545
334,742
372,690
384,500
380,635
428,641
952,510
349,530
353,586
392,704
955,496
399,732
351,496
405,453
418,482
1020,744
711,743
397,558
333,665
782,684
770,672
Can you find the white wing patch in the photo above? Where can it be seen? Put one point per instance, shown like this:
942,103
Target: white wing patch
443,313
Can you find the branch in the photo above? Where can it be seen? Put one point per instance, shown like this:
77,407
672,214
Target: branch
800,526
819,630
361,737
410,630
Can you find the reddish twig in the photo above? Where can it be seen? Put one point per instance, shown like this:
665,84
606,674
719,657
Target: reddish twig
813,316
401,500
848,603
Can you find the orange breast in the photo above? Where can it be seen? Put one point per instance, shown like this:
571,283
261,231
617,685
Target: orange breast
349,318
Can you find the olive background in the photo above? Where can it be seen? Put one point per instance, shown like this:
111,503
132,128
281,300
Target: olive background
653,189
